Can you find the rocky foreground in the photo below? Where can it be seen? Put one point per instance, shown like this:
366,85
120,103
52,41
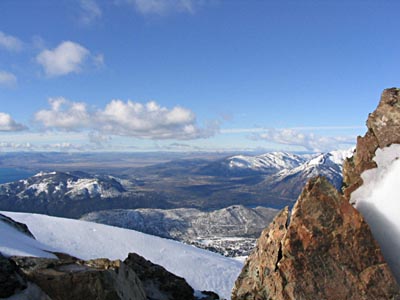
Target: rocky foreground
325,251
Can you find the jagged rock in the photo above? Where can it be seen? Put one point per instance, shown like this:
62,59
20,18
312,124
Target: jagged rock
158,283
10,281
326,252
383,130
208,295
68,278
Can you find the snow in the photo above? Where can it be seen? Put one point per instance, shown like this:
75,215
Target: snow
277,160
41,187
338,156
14,242
40,174
378,199
202,269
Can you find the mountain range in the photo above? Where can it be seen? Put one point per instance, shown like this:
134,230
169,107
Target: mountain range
270,180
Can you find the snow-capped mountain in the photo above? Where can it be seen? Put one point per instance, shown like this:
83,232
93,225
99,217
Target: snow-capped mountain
265,162
289,182
272,180
203,270
55,184
68,194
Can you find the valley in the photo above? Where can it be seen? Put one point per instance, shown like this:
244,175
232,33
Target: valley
212,201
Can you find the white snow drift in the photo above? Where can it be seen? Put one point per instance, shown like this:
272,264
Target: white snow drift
203,270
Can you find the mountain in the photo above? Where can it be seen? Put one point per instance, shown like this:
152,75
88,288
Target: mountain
289,182
189,223
55,185
71,194
242,165
203,270
230,231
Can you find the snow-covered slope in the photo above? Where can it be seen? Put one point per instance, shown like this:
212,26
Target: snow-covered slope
378,199
203,270
265,162
15,242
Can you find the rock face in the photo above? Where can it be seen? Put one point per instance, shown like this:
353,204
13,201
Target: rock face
326,252
70,278
383,130
10,281
158,283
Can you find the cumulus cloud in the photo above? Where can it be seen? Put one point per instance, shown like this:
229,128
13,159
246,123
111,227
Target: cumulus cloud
148,121
64,115
163,7
68,57
7,123
9,42
309,141
7,79
90,11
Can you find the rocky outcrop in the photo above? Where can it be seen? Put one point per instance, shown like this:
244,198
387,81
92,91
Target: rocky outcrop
70,278
158,283
326,251
383,130
10,281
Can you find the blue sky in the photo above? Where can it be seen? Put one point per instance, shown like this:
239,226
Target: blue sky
187,75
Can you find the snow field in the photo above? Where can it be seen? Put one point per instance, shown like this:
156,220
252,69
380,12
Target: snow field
203,270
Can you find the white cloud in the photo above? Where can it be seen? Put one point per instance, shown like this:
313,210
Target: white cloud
62,146
309,141
315,128
68,57
7,79
64,115
162,7
90,11
148,121
16,146
7,123
9,42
